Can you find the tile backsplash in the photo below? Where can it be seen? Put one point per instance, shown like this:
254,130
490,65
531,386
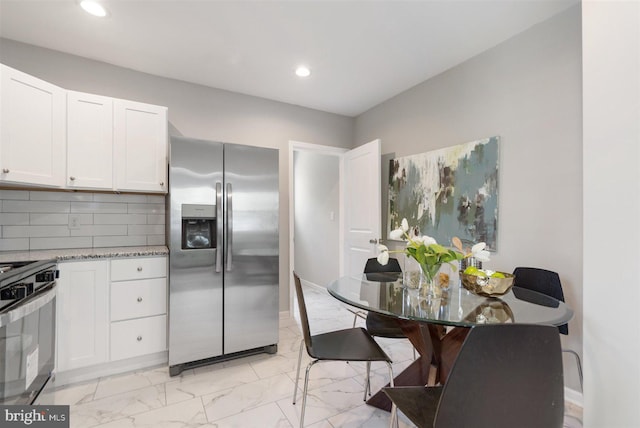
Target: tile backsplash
41,220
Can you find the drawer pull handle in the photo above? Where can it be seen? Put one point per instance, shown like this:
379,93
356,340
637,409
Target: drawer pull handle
139,299
139,268
139,338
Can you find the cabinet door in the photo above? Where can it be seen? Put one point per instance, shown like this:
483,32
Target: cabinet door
83,314
89,141
140,133
32,130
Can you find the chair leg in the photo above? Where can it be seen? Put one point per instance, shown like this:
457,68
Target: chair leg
367,382
355,318
394,408
578,363
304,391
295,390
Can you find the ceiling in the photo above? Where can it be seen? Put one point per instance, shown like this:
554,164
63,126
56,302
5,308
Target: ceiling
360,52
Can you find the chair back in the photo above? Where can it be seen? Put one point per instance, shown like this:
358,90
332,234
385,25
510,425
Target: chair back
304,319
506,375
373,266
543,281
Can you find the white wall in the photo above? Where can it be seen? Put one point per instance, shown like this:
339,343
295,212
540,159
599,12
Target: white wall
527,90
196,111
611,113
317,195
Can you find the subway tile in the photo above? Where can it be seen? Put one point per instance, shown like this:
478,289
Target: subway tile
119,241
48,218
100,230
146,208
14,244
14,219
111,197
156,199
60,196
155,219
155,240
21,195
34,231
119,219
146,229
35,206
98,207
55,243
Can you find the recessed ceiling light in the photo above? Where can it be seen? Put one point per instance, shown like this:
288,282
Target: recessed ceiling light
303,71
94,8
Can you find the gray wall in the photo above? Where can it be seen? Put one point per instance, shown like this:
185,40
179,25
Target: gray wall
317,195
528,91
611,67
196,111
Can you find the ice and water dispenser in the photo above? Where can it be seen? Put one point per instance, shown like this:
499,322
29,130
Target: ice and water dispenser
198,226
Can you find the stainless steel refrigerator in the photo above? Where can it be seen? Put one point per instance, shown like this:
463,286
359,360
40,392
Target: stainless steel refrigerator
223,251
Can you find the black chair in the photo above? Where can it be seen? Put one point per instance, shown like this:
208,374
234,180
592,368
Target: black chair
505,376
352,344
545,282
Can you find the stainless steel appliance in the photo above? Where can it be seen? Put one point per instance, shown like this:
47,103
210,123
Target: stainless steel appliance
223,259
27,329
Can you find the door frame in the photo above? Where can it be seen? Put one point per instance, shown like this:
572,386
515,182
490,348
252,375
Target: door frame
298,146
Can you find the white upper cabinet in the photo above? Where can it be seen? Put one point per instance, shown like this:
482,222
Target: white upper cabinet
32,130
140,144
89,141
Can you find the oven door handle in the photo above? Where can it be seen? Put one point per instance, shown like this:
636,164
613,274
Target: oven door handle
29,305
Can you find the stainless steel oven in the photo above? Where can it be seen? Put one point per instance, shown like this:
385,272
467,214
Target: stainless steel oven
27,329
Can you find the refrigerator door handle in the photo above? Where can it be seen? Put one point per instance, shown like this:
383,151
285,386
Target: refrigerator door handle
218,227
229,221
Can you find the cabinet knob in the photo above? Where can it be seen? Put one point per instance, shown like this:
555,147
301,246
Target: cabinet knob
5,170
72,178
139,299
139,268
161,183
139,338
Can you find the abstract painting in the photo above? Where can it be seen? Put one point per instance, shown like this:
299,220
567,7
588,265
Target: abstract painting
448,192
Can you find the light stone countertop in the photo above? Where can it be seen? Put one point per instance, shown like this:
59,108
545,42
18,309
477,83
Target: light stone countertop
83,253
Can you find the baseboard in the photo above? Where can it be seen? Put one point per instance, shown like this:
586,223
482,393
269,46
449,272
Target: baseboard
573,396
284,315
312,284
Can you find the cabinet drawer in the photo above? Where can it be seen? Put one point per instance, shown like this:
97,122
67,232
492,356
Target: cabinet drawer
137,299
138,337
138,268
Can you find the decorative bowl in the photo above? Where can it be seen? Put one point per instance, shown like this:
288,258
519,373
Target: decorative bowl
487,286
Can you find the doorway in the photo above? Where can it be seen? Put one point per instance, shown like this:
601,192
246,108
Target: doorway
314,212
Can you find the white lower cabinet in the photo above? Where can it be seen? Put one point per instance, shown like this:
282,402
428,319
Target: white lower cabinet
82,314
111,310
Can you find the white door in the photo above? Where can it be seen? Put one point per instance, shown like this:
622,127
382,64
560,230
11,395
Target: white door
32,130
140,145
362,217
89,141
82,315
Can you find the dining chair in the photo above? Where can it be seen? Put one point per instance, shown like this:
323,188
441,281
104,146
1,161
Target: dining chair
352,344
546,282
505,375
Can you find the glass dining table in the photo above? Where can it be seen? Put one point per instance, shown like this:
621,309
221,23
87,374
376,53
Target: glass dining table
437,327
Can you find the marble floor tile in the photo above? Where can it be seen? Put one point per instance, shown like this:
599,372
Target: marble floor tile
241,398
69,394
185,414
129,382
118,406
206,382
268,415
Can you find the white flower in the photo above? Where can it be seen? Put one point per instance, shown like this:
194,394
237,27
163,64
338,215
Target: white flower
396,234
426,240
478,251
404,225
383,257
